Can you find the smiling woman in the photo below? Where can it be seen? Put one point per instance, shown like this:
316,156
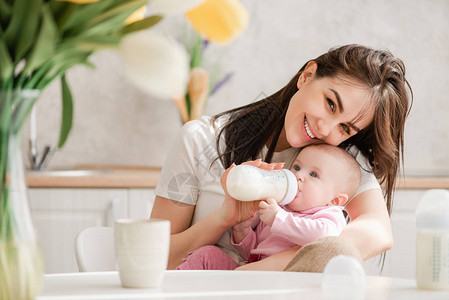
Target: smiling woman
353,96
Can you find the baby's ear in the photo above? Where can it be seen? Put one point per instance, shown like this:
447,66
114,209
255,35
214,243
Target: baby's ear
339,200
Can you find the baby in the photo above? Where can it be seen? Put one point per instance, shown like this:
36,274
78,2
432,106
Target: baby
327,178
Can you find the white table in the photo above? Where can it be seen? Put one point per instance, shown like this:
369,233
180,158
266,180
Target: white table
222,285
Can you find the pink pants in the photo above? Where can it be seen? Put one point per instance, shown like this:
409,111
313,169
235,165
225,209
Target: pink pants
208,258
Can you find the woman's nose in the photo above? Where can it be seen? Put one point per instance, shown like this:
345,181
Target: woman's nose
324,128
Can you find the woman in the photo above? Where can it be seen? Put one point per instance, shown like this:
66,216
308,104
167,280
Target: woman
352,96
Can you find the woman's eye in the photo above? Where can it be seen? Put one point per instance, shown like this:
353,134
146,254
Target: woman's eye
314,174
331,104
296,168
345,128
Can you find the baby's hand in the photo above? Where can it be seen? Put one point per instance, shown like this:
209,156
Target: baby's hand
244,225
268,210
241,230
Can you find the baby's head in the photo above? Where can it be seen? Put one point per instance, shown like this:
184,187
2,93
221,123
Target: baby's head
327,175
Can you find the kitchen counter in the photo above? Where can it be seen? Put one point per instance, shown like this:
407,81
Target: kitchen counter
95,176
113,176
422,183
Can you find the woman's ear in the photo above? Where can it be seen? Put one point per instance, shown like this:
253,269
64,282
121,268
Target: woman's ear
339,200
308,73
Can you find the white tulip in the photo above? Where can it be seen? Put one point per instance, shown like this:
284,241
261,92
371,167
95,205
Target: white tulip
155,64
172,7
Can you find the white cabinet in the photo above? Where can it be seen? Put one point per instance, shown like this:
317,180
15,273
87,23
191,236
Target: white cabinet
59,214
141,202
401,259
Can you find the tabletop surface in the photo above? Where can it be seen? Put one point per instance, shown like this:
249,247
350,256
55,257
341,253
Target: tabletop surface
225,285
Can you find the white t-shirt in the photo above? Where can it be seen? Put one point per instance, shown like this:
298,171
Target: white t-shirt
191,173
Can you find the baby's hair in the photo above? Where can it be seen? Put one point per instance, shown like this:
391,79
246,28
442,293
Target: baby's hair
351,171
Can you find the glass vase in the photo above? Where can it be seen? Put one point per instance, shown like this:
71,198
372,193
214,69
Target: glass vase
21,262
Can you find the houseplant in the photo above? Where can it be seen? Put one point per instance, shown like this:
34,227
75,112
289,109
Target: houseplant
39,41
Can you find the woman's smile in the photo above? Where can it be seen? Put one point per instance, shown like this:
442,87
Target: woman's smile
307,128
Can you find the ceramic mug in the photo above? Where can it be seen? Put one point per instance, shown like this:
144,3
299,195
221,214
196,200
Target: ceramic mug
142,248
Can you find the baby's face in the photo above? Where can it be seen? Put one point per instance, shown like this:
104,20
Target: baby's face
319,176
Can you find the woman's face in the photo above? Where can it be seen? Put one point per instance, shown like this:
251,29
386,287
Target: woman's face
327,109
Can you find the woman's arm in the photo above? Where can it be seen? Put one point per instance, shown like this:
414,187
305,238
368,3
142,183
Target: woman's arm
369,231
183,237
370,226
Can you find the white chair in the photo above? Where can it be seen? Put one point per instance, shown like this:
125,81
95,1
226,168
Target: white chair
94,249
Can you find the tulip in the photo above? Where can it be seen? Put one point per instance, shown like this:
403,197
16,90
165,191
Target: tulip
156,64
136,16
219,21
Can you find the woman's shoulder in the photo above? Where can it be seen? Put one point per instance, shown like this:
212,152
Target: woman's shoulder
205,124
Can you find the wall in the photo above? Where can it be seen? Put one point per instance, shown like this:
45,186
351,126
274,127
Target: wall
117,124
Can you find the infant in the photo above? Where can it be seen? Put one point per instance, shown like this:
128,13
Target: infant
328,177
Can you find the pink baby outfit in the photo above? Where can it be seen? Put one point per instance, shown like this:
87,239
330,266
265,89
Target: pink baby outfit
289,229
208,258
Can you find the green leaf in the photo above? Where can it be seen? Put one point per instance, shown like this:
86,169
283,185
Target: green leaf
88,64
95,43
58,8
125,9
142,24
6,64
63,13
5,11
44,48
83,14
111,20
196,54
66,59
21,31
67,112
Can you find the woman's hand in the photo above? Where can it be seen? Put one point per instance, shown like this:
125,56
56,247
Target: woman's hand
234,211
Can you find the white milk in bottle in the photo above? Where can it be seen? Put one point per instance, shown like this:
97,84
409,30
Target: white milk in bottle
432,241
249,183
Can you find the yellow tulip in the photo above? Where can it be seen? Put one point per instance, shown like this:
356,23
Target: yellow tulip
219,21
79,1
136,16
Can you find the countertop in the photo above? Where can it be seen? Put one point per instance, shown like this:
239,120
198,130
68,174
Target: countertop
113,176
95,176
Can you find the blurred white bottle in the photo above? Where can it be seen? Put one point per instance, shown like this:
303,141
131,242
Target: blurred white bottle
432,241
344,279
249,183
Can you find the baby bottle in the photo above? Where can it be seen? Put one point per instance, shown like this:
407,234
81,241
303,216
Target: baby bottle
249,183
432,241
